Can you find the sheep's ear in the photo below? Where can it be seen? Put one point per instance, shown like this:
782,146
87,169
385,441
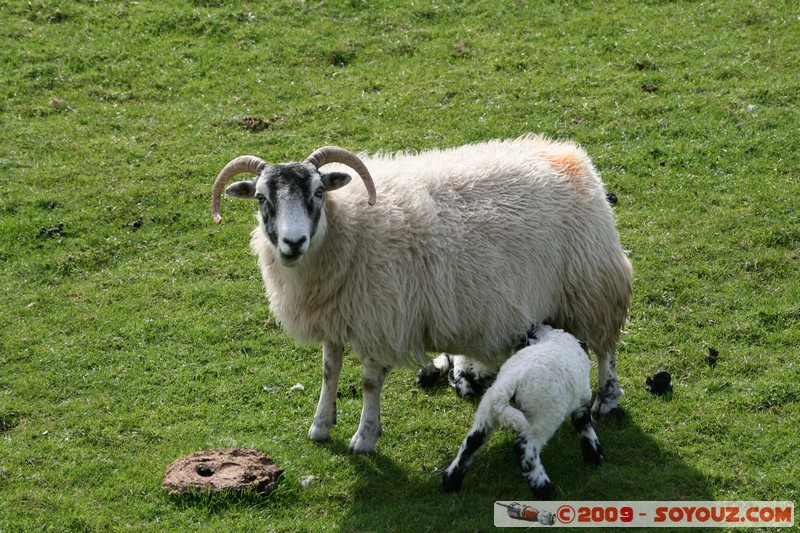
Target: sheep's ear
245,190
335,180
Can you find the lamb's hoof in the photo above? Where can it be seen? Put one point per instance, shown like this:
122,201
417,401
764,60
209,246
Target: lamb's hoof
451,482
427,377
592,453
435,370
545,491
600,459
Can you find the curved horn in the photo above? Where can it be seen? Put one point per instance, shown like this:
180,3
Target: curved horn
334,154
245,163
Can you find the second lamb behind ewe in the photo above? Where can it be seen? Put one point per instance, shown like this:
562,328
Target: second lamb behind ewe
535,390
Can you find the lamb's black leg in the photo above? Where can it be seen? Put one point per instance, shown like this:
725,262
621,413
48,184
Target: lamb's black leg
474,442
590,445
527,452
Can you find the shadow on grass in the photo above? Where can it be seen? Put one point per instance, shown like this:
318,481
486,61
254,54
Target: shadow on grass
390,498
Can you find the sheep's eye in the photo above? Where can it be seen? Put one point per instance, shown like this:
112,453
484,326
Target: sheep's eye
320,192
261,198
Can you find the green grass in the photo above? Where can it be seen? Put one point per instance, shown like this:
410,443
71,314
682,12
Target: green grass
139,333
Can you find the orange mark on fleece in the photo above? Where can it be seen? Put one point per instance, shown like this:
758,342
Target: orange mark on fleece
571,163
567,161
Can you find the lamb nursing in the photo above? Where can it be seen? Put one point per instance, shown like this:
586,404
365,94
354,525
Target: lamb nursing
534,391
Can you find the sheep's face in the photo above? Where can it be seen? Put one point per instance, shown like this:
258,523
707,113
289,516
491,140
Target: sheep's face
291,201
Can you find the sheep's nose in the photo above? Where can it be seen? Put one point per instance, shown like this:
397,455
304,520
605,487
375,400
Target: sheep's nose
295,244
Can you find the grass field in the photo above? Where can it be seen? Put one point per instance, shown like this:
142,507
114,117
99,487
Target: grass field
135,331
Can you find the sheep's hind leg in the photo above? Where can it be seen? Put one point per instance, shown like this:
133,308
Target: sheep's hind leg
325,417
608,390
527,452
365,439
590,444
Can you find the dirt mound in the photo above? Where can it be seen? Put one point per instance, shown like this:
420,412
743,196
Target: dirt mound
224,469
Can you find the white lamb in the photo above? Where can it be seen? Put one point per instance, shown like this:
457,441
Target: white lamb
533,393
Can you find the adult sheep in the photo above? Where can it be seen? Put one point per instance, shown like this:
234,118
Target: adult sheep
466,249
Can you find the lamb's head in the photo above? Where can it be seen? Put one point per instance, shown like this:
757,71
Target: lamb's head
291,196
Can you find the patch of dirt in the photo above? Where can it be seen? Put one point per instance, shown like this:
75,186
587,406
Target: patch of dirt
256,124
223,469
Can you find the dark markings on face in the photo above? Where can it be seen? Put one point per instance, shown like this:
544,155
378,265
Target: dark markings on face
283,183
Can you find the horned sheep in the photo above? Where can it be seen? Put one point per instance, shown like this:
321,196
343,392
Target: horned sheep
534,391
466,248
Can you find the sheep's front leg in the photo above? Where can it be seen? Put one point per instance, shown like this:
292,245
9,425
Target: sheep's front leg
325,417
369,429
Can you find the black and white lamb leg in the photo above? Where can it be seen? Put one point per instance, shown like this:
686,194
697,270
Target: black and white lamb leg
473,444
325,416
431,373
527,452
608,390
470,378
590,444
369,430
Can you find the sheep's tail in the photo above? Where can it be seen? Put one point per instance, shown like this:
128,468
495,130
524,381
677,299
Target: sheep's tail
510,417
495,409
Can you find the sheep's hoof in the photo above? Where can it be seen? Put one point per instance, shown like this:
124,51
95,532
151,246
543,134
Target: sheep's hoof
614,413
360,444
604,410
319,433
